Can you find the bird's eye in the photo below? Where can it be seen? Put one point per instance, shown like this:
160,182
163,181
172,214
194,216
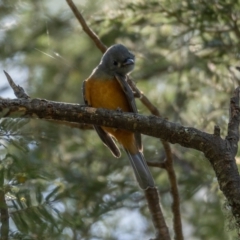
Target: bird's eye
115,63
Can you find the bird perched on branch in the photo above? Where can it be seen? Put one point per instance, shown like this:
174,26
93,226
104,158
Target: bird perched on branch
107,87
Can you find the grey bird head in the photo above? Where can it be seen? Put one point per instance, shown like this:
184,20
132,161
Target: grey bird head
118,59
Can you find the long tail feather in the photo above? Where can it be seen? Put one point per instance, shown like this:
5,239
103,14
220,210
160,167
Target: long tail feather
141,170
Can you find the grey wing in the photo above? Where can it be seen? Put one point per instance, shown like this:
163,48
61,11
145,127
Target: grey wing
128,91
108,141
83,93
104,136
130,96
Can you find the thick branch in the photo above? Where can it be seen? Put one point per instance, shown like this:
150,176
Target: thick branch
148,125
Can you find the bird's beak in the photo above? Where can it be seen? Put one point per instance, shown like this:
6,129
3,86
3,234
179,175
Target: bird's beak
128,61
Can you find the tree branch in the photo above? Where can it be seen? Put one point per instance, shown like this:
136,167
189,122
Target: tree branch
148,125
152,197
177,222
85,27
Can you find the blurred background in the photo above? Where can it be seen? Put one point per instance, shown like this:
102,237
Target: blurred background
62,182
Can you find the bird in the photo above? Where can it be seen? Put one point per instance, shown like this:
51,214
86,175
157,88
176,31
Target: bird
107,88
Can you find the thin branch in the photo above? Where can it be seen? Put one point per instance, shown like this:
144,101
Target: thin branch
152,197
177,222
85,27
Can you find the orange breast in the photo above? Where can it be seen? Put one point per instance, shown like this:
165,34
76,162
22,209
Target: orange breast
109,94
106,94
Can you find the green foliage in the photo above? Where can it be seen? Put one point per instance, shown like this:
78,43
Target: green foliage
61,182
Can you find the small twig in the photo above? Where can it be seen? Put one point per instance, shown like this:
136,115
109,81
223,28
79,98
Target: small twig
86,28
18,91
